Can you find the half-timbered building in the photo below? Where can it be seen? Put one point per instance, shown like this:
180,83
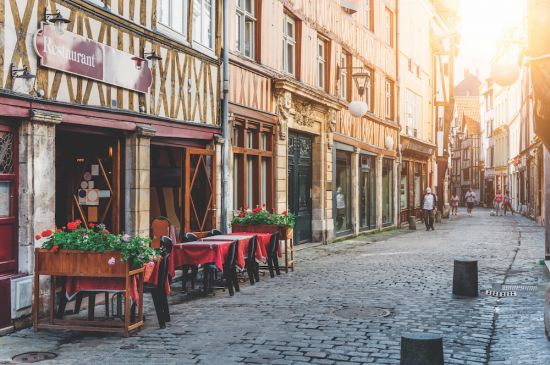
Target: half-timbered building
109,112
295,67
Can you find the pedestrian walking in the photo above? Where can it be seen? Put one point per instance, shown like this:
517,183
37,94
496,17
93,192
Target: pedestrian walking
508,203
429,206
497,202
455,200
470,198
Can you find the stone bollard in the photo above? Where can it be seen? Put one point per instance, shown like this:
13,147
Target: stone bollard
412,222
438,217
421,349
465,279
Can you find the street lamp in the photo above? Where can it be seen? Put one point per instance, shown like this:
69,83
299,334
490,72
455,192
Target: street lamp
151,56
22,73
358,108
58,20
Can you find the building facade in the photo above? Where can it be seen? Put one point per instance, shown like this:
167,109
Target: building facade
295,67
112,120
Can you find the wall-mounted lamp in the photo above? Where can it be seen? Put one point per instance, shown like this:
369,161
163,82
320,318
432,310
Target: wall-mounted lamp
22,73
151,56
59,22
389,142
362,82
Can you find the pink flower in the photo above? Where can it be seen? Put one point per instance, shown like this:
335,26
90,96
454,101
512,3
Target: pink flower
151,264
126,237
111,261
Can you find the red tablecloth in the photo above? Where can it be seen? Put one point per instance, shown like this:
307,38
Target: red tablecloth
200,253
242,246
263,244
74,285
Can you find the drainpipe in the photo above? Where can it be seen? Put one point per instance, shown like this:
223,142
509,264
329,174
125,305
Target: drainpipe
397,190
225,117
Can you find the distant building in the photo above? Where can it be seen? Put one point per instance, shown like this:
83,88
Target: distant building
469,86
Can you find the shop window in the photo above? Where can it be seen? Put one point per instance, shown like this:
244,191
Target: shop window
172,15
404,188
387,191
204,15
368,192
246,27
343,191
253,165
417,184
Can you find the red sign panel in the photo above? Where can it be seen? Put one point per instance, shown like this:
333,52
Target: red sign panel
78,55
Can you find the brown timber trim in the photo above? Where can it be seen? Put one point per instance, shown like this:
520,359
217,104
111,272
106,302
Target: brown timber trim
248,113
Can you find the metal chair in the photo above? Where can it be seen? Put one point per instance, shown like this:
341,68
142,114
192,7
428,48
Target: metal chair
214,232
272,257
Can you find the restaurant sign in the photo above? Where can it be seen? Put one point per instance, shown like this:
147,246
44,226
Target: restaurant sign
78,55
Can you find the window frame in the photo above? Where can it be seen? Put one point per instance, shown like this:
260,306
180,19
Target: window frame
241,33
243,154
390,99
325,59
369,15
168,29
199,43
344,76
289,40
370,89
388,27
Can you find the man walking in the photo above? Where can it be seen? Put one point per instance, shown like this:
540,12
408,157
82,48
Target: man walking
429,206
470,198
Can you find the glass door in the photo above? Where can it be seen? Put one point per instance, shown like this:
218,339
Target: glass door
299,184
200,192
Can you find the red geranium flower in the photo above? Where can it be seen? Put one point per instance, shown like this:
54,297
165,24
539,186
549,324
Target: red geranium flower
92,225
263,205
38,237
58,230
55,248
77,221
105,231
71,226
47,233
285,212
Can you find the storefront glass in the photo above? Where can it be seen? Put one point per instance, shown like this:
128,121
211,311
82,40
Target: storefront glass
367,207
404,187
88,180
387,188
343,191
417,184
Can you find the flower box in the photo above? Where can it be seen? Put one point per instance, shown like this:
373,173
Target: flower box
284,232
80,263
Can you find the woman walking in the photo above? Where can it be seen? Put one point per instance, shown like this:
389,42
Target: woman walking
498,201
470,198
454,204
508,203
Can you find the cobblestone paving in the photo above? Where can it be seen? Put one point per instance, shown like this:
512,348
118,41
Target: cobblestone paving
319,314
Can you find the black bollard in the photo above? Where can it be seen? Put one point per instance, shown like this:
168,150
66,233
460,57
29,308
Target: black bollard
421,349
412,222
465,279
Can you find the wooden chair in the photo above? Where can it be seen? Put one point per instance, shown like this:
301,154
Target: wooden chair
158,292
189,272
160,226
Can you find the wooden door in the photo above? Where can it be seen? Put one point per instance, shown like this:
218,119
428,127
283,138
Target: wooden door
8,201
200,190
299,185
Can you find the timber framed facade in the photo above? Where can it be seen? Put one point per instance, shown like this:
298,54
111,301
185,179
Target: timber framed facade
294,75
85,147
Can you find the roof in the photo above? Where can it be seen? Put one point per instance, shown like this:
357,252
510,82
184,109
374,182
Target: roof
468,113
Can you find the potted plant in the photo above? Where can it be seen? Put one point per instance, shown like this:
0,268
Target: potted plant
261,220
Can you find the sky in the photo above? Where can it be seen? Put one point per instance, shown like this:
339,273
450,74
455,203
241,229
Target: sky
482,21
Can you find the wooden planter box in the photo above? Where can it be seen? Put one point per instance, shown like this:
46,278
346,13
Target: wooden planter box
76,263
285,234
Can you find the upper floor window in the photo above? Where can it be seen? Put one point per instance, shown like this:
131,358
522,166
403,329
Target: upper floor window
369,15
389,99
388,27
289,45
204,15
321,62
369,89
246,24
345,76
172,14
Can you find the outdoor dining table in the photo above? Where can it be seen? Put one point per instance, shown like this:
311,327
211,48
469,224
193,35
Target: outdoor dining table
243,245
200,253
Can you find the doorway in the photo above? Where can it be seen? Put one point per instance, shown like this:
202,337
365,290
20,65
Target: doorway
299,184
88,179
367,197
8,199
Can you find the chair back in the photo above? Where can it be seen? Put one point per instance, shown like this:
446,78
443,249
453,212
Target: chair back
231,257
190,237
160,226
214,232
273,244
252,247
166,248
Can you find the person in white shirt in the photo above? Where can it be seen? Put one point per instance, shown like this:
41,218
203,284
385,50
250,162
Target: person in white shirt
429,206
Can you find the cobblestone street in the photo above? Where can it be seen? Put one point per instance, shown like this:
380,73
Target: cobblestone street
318,314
